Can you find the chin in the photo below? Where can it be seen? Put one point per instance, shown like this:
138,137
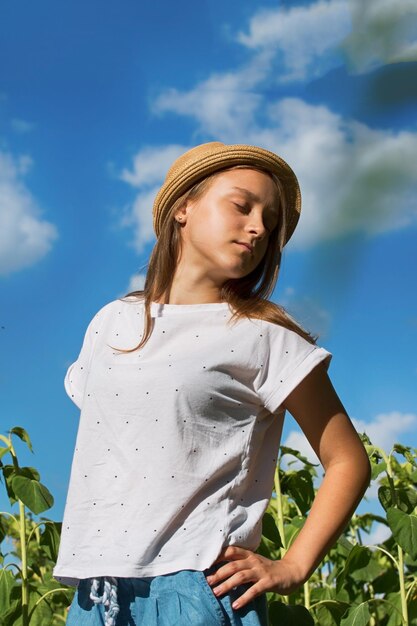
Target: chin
239,273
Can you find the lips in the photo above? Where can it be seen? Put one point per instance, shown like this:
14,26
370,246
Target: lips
246,245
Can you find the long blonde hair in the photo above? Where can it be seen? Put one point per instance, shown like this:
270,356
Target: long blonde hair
247,296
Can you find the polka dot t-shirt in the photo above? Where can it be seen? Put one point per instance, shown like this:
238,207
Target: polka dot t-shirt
177,443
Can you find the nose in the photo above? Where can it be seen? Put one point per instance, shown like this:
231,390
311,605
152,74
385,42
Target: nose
257,226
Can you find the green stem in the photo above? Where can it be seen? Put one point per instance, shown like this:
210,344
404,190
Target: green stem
371,600
413,584
13,565
404,607
375,618
25,582
387,460
280,518
48,593
307,595
22,534
6,513
388,554
280,513
35,528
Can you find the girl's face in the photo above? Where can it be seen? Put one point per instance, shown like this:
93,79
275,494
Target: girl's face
237,209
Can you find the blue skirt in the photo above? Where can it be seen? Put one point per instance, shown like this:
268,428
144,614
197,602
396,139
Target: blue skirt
182,598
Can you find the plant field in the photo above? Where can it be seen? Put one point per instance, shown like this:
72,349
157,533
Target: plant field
356,584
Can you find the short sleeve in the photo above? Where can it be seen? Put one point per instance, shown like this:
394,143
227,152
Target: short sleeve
285,359
76,376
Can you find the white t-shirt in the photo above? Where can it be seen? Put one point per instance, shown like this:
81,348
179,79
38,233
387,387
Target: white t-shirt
177,443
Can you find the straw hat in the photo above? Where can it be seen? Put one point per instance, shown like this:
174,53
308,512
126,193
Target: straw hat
207,158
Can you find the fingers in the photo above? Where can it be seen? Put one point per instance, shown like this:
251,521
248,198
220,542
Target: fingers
250,594
232,553
242,566
238,579
228,577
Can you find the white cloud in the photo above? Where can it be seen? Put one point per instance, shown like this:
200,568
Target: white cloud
25,237
138,216
383,431
383,32
137,282
21,126
304,39
353,178
388,428
307,311
151,164
378,534
224,104
298,441
307,41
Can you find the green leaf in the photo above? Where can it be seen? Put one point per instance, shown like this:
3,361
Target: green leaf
300,486
291,530
394,609
377,469
270,530
372,570
10,472
405,499
404,529
21,432
3,451
264,548
365,439
7,581
366,520
50,539
289,615
32,493
358,559
11,616
407,453
374,453
30,472
357,616
297,455
387,581
385,497
344,545
329,612
3,528
43,613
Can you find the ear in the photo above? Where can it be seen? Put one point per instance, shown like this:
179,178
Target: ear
182,213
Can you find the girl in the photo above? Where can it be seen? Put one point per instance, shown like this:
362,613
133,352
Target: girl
183,389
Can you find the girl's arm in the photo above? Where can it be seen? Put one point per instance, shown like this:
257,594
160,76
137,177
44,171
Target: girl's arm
318,410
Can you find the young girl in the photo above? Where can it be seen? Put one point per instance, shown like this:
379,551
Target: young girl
183,388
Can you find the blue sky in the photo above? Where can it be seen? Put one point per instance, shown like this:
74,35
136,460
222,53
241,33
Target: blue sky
97,99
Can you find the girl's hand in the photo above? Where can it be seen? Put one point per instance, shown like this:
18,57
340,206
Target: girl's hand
245,566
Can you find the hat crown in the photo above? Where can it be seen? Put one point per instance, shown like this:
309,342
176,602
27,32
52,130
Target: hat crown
191,155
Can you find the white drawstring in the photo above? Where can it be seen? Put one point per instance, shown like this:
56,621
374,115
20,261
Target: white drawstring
108,599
